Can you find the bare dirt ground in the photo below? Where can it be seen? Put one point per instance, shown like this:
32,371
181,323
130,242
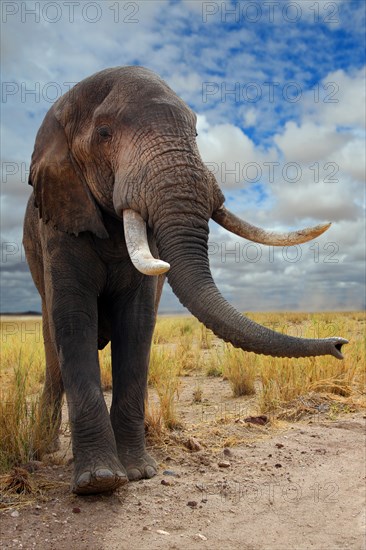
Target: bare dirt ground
280,486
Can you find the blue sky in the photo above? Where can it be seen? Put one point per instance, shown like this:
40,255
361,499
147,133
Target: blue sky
279,90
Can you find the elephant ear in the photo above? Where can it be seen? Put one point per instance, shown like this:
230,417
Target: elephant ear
61,195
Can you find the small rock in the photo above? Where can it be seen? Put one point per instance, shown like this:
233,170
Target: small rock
279,445
167,482
192,503
161,532
228,452
199,536
224,464
170,473
15,514
146,528
193,445
76,510
278,465
260,420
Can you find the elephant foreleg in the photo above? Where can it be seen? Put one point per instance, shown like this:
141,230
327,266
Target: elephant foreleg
133,326
71,298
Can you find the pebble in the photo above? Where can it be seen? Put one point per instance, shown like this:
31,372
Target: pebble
76,510
199,536
15,514
161,532
193,444
224,464
192,503
170,473
167,482
228,452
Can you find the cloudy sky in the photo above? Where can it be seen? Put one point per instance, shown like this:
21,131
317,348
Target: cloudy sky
279,90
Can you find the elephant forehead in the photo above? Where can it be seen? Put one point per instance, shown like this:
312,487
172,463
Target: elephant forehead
159,117
123,93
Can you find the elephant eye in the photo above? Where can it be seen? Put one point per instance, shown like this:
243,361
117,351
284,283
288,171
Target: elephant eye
104,132
196,133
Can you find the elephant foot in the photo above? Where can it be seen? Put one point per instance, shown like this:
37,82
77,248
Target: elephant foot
139,467
88,481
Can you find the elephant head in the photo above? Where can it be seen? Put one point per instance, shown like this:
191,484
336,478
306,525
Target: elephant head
124,143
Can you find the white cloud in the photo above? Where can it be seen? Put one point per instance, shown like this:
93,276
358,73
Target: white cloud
319,201
309,142
230,153
172,39
338,100
250,117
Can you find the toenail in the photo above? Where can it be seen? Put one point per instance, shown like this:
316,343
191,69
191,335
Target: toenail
134,474
103,473
150,471
83,479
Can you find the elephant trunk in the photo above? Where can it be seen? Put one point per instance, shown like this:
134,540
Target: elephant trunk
185,248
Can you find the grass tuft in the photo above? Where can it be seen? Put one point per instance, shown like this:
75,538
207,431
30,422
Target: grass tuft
240,369
23,437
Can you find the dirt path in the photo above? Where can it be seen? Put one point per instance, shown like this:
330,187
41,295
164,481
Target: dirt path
298,489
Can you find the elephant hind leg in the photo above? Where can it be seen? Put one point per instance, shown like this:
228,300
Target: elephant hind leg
53,390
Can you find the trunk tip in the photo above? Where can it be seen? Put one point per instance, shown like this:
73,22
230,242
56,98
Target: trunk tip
336,344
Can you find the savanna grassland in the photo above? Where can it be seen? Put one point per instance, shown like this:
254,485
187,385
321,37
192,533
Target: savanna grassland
251,450
199,386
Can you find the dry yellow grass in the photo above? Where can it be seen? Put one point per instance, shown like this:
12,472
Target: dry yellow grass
183,347
241,369
164,377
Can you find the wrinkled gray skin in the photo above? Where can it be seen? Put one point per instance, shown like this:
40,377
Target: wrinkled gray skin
122,139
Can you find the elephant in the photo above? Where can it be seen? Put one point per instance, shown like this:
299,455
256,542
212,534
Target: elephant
122,199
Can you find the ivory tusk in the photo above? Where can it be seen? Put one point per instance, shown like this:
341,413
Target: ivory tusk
232,223
138,246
